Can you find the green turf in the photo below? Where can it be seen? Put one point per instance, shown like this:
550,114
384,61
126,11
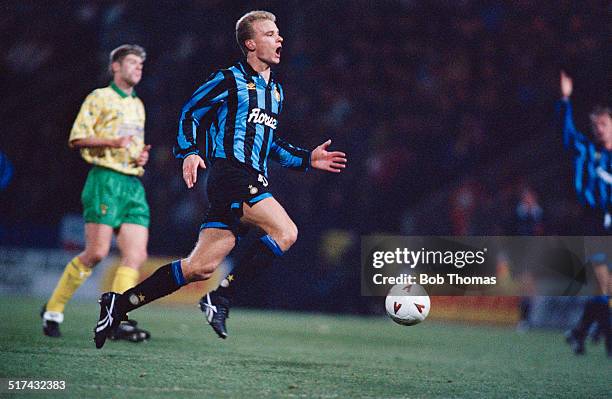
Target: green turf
276,354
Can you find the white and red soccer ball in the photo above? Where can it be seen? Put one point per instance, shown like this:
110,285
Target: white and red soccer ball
407,304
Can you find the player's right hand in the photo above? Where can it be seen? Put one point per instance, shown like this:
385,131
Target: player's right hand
122,142
567,85
190,169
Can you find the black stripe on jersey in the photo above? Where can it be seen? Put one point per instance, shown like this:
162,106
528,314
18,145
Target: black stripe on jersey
296,152
211,147
232,109
212,76
251,127
214,92
263,152
209,119
188,127
282,99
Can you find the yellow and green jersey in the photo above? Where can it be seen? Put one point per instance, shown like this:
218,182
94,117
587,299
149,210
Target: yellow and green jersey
110,113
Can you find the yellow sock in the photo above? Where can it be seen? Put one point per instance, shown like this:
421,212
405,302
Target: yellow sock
125,278
74,275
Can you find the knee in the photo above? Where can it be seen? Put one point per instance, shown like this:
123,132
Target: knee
135,259
287,237
142,256
198,271
205,258
95,255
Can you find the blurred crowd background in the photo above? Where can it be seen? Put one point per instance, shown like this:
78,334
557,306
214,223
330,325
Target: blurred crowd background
445,109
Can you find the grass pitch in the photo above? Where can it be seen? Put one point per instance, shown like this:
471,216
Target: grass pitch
287,355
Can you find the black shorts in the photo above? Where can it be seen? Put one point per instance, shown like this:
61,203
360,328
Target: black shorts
231,184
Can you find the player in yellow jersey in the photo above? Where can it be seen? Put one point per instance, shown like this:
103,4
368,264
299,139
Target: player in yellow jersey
109,132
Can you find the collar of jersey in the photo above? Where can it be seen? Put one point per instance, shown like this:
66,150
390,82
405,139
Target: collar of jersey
248,70
121,92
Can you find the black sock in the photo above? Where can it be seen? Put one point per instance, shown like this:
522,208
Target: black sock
162,282
258,256
589,315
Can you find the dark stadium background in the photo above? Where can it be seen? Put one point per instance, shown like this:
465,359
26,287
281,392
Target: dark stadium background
445,109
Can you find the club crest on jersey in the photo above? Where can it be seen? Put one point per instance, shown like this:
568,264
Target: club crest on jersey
277,94
259,116
250,86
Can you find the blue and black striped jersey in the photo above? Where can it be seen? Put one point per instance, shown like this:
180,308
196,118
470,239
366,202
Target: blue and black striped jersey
234,115
593,165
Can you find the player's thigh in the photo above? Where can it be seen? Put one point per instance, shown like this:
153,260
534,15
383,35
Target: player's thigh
134,207
102,197
98,239
132,242
212,247
269,215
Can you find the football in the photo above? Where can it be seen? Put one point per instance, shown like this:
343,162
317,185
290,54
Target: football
407,304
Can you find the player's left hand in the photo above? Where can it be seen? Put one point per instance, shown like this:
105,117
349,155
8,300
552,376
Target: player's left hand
331,161
143,158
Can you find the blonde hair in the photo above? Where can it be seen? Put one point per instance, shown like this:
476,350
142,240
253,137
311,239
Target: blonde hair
244,26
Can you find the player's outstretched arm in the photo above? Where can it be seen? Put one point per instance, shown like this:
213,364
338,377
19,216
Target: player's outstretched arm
567,86
190,169
570,134
331,161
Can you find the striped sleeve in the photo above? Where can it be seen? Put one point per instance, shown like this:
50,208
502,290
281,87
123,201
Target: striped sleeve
288,155
584,156
570,134
205,99
282,97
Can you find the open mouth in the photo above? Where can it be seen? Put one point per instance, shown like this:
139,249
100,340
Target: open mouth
278,51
